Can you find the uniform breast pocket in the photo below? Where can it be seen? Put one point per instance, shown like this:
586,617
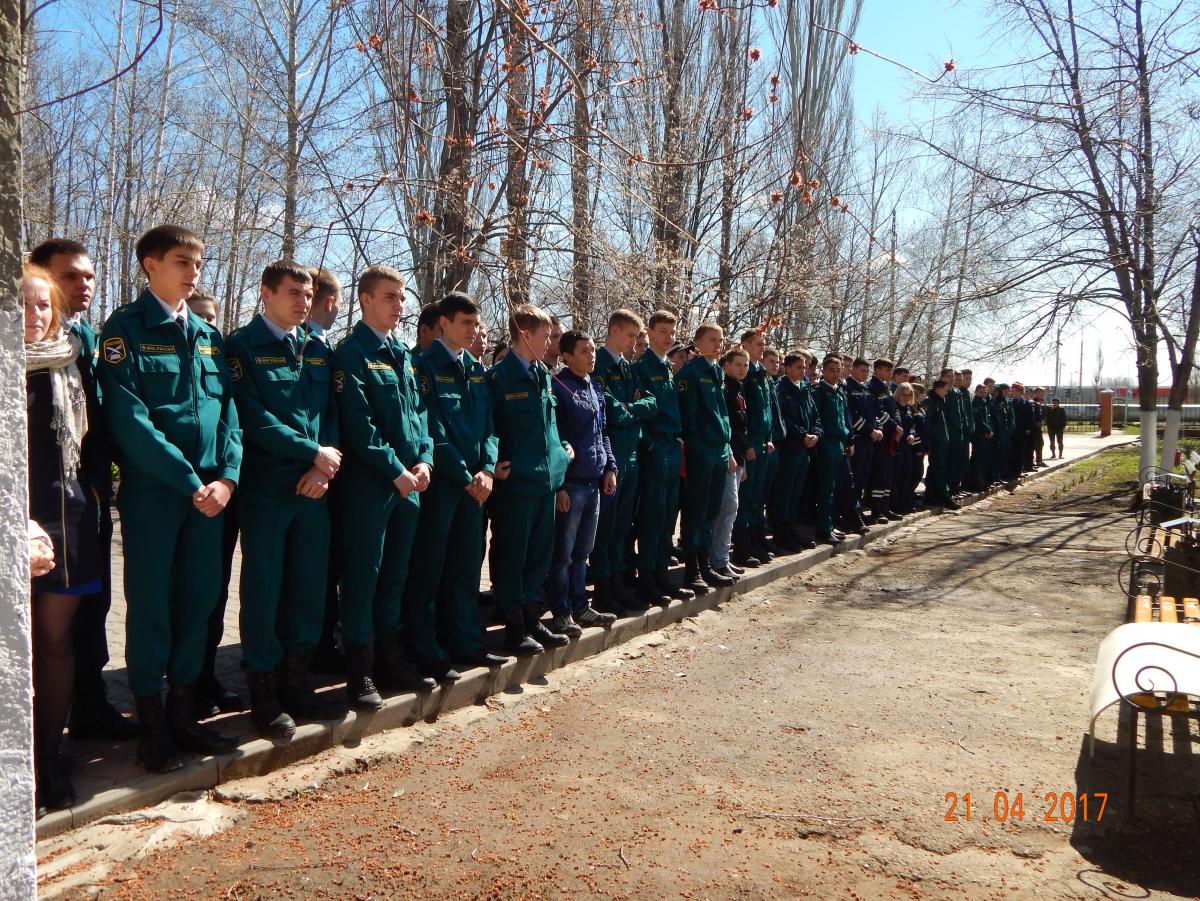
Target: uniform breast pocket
212,375
161,379
383,381
450,400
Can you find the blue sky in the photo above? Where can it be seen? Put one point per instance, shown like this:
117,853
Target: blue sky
922,34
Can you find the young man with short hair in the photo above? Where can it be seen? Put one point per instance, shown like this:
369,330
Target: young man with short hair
536,460
442,598
707,455
92,715
660,459
883,458
286,407
802,431
580,415
169,403
551,357
937,431
204,304
428,328
388,463
867,438
956,428
982,441
832,449
626,407
749,533
327,303
772,362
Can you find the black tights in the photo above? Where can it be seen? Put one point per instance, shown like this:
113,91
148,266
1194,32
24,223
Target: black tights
53,669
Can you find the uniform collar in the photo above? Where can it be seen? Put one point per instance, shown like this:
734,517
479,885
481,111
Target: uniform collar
172,313
616,359
459,357
438,352
315,329
371,338
279,333
155,313
514,361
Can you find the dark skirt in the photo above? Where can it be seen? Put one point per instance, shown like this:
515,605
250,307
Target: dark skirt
64,507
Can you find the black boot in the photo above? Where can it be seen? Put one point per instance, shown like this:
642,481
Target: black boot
93,716
650,593
691,574
785,541
602,596
712,578
186,733
210,693
800,537
54,789
538,632
742,555
265,713
625,597
662,578
393,670
517,640
155,750
361,692
297,697
760,545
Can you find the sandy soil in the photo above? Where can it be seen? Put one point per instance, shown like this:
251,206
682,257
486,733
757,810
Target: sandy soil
800,742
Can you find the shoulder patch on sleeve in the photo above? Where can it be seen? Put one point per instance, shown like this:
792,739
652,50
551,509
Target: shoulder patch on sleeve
114,350
235,368
339,381
425,383
683,385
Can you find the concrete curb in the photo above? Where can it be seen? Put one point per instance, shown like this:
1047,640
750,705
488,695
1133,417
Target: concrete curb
256,756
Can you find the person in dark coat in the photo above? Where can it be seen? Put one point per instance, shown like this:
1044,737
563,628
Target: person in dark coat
68,479
1056,424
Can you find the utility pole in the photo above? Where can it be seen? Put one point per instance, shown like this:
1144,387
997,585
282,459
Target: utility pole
1058,358
1081,367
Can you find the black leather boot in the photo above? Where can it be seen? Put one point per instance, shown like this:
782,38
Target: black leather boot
623,595
155,750
393,670
186,733
93,715
602,596
266,714
691,574
649,592
538,632
742,554
54,790
517,640
361,692
760,545
714,579
296,695
662,578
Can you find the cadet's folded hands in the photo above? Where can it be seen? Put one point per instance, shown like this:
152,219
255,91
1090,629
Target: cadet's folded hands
328,460
313,483
212,498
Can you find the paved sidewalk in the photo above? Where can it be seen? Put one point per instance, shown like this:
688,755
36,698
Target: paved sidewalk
107,779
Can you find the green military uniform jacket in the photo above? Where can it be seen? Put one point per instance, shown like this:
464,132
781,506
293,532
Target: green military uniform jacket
831,406
523,408
90,354
655,379
983,417
702,408
1005,418
952,412
285,400
624,410
757,390
168,398
459,406
380,409
937,427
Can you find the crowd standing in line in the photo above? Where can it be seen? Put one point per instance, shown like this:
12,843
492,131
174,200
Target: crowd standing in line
363,479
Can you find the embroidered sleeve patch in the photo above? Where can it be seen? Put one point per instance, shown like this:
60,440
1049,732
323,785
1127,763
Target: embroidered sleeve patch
424,384
114,350
683,386
339,381
235,369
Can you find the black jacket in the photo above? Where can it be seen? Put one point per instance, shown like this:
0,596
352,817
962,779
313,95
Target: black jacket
739,421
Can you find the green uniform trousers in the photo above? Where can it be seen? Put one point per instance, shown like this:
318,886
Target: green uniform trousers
659,464
752,492
980,468
784,503
172,580
831,461
937,484
378,538
285,562
522,547
616,522
957,457
703,489
443,590
772,466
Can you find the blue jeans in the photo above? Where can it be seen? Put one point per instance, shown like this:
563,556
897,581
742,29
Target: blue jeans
723,528
574,536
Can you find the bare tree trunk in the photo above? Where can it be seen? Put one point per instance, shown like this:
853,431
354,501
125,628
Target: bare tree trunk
668,233
581,209
516,191
291,159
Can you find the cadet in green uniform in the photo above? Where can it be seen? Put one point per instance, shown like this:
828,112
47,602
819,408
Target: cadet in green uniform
752,498
388,463
660,457
939,436
831,449
535,463
983,441
707,456
281,381
169,404
92,716
773,363
802,430
443,590
962,392
956,429
626,408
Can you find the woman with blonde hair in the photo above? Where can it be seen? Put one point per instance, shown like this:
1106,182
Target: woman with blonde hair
910,452
67,475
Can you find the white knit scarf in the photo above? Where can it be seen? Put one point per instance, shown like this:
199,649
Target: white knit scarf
69,417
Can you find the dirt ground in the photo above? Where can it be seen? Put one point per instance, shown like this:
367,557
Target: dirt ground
800,742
